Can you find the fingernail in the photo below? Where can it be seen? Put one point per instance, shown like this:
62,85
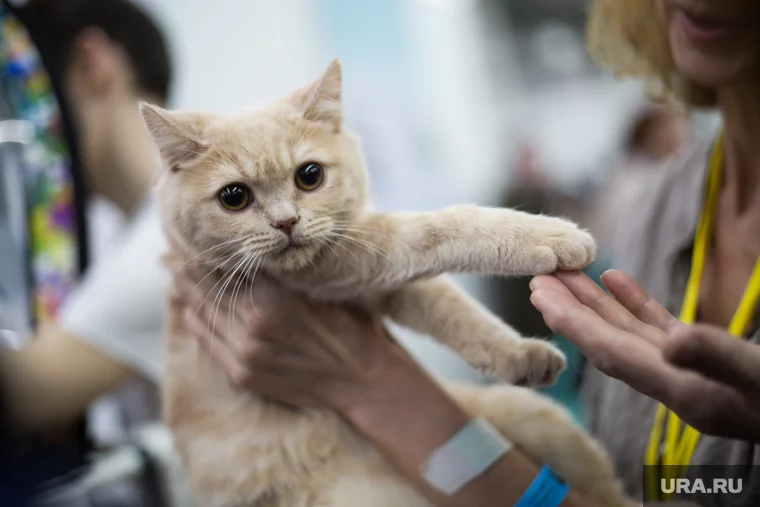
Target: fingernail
535,284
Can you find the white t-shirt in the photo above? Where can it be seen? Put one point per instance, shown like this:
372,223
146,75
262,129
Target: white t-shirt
118,309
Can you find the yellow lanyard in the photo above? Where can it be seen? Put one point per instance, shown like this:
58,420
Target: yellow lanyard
680,440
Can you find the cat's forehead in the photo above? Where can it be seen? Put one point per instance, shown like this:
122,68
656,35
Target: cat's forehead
255,129
263,144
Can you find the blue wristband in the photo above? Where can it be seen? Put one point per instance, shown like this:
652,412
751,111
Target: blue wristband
547,490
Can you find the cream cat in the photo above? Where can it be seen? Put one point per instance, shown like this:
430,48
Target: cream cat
284,189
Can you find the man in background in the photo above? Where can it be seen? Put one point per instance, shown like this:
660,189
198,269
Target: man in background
106,55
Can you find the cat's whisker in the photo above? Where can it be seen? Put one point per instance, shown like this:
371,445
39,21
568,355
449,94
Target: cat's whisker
368,232
232,320
341,244
359,225
231,241
370,247
220,294
211,272
216,262
344,210
252,280
329,245
360,242
251,267
359,228
259,240
236,289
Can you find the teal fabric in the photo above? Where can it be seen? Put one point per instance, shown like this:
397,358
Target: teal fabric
566,390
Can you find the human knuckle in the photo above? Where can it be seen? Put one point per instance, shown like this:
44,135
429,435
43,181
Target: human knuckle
601,358
240,377
252,320
704,421
251,350
558,320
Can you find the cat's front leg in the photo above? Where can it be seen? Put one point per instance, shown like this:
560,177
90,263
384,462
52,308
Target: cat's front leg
496,241
390,249
439,308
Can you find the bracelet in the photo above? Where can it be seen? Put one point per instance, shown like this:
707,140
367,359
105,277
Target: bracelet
546,490
469,453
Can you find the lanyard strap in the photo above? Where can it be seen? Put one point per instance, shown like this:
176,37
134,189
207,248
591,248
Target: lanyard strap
680,440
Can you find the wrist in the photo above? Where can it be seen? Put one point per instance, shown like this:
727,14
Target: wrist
404,411
387,368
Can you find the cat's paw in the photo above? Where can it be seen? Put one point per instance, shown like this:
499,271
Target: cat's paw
527,362
556,244
540,364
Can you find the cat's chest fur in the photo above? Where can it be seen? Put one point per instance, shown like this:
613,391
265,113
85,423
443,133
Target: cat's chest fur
331,277
240,450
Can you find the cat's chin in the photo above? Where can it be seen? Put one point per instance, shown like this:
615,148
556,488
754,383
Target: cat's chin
293,257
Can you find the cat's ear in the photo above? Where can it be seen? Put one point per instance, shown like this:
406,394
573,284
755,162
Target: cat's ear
178,135
321,100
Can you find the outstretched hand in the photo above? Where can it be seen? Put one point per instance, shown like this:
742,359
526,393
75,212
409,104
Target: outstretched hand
705,375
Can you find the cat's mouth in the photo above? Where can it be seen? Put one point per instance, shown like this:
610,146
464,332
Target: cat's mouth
293,245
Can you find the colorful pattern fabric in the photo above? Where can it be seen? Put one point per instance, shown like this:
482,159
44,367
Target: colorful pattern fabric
49,189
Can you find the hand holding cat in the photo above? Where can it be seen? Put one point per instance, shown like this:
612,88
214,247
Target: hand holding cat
271,342
708,377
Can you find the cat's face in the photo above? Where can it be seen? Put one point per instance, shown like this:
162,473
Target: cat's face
270,188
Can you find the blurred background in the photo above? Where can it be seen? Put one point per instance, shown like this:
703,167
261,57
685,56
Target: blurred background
493,102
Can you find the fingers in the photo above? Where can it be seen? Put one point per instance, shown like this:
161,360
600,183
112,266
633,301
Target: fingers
632,296
591,295
611,350
716,355
565,315
215,345
615,352
573,308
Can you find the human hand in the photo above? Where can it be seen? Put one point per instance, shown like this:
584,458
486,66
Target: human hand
276,345
705,375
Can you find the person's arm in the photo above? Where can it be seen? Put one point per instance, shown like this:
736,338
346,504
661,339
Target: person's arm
55,378
408,416
109,329
299,354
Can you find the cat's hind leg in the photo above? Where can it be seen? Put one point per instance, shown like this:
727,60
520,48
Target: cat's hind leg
439,308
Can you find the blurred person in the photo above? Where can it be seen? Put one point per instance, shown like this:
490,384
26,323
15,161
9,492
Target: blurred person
679,392
105,55
705,54
656,133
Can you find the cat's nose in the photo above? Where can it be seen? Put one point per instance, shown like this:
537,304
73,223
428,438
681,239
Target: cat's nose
285,225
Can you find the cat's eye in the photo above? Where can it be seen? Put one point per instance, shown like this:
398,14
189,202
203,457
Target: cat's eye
235,197
310,176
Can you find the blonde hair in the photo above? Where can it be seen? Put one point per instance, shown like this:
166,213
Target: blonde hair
631,38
